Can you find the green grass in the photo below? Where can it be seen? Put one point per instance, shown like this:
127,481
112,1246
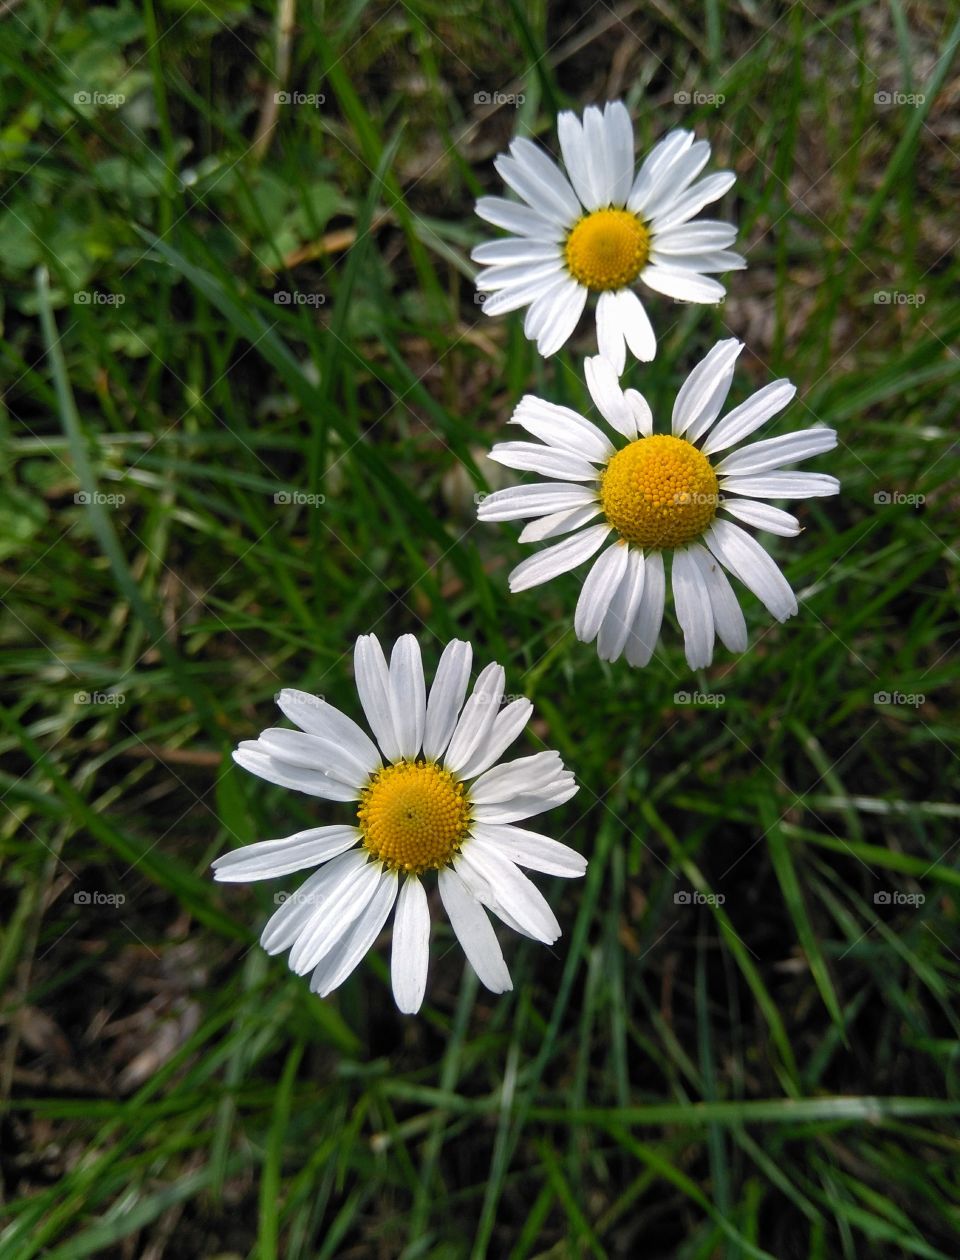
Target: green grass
764,1067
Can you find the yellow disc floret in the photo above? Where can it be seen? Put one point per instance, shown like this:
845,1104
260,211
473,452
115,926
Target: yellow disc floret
659,492
607,249
413,816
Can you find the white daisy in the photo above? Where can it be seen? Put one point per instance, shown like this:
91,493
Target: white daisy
600,228
657,494
434,797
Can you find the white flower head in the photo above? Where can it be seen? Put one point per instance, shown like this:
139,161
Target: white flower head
430,795
603,228
657,495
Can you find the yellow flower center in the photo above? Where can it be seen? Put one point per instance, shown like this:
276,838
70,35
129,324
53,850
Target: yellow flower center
659,492
607,249
413,816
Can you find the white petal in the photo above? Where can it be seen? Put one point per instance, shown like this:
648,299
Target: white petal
546,460
373,687
269,858
518,895
540,772
520,276
783,485
515,250
344,902
538,180
574,150
559,558
530,849
562,317
478,716
512,299
683,171
311,752
693,200
542,308
408,695
507,725
472,928
595,152
750,415
558,523
687,286
298,909
514,217
645,630
516,503
525,804
598,591
311,782
705,390
313,715
656,168
446,697
727,613
748,561
705,234
763,516
773,453
562,427
635,326
623,609
604,387
332,970
718,260
694,612
619,137
610,337
640,408
410,958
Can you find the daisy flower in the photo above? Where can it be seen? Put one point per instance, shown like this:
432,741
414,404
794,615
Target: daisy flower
600,228
430,795
659,494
